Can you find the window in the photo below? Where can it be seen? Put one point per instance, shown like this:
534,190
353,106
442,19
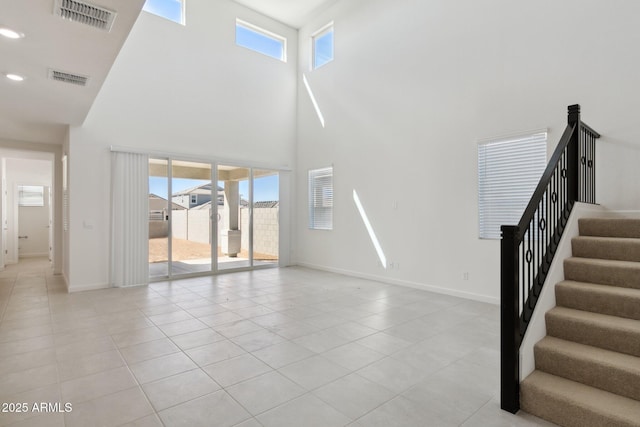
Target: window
30,195
509,170
323,46
262,41
172,10
194,199
321,199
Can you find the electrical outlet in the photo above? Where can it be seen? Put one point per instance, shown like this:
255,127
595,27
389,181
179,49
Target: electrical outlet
465,276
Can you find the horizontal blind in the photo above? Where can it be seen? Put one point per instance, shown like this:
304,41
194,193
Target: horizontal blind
508,172
321,199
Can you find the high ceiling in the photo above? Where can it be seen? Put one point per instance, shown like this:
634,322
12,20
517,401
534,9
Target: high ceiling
39,109
291,12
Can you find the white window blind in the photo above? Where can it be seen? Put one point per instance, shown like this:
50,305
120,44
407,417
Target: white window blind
321,199
509,170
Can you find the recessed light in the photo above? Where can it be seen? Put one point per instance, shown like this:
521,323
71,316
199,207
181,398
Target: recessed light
14,77
10,34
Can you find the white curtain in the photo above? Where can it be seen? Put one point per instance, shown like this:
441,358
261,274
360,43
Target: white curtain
129,219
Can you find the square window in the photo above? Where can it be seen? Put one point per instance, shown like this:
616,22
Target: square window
172,10
509,170
323,46
30,195
260,40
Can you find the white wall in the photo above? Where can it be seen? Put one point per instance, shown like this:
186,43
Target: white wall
414,86
181,89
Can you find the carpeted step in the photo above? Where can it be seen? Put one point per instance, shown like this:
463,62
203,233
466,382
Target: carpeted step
607,370
609,227
617,248
598,330
571,404
611,300
606,272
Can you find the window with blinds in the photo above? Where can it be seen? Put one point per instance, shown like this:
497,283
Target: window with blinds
509,170
321,199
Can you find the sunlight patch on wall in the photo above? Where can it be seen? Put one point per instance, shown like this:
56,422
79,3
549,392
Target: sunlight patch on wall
313,100
372,234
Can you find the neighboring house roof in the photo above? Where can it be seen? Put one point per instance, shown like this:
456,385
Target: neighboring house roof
201,189
161,202
207,205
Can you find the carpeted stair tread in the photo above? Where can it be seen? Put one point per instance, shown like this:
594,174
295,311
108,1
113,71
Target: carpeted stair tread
603,271
598,330
617,248
607,370
603,299
571,404
610,227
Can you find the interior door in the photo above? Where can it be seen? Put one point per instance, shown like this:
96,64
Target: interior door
33,221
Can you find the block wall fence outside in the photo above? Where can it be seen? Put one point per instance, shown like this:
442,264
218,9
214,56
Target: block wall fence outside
194,225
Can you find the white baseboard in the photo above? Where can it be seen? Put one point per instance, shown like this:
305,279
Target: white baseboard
90,287
34,255
406,283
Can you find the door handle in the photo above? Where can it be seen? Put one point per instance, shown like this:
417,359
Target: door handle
23,237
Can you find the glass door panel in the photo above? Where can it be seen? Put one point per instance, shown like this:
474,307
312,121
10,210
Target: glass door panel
233,217
266,215
191,217
158,218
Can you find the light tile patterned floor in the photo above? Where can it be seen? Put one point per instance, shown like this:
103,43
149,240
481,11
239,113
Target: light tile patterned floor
278,347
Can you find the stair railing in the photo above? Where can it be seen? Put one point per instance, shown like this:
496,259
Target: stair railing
527,249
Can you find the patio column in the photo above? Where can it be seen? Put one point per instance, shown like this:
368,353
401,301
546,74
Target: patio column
231,237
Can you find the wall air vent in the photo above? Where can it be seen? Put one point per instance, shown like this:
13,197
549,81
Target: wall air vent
65,77
85,13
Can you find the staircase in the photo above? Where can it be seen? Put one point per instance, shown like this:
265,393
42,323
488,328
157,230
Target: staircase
588,366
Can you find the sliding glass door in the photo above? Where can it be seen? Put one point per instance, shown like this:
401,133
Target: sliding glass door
188,213
191,232
233,217
158,218
266,217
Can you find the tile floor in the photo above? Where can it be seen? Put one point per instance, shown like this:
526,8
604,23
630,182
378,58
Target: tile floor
277,347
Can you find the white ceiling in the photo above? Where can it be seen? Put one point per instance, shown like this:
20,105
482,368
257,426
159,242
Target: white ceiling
291,12
39,109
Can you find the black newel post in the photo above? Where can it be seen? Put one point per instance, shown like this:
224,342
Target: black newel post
573,156
509,320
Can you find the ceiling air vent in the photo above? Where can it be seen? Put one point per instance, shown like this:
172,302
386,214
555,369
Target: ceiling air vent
64,77
85,13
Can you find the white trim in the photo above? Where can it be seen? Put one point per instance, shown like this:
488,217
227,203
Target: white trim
199,158
34,255
405,283
91,287
314,36
266,33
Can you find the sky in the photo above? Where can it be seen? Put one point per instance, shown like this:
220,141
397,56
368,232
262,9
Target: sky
265,188
170,9
246,37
